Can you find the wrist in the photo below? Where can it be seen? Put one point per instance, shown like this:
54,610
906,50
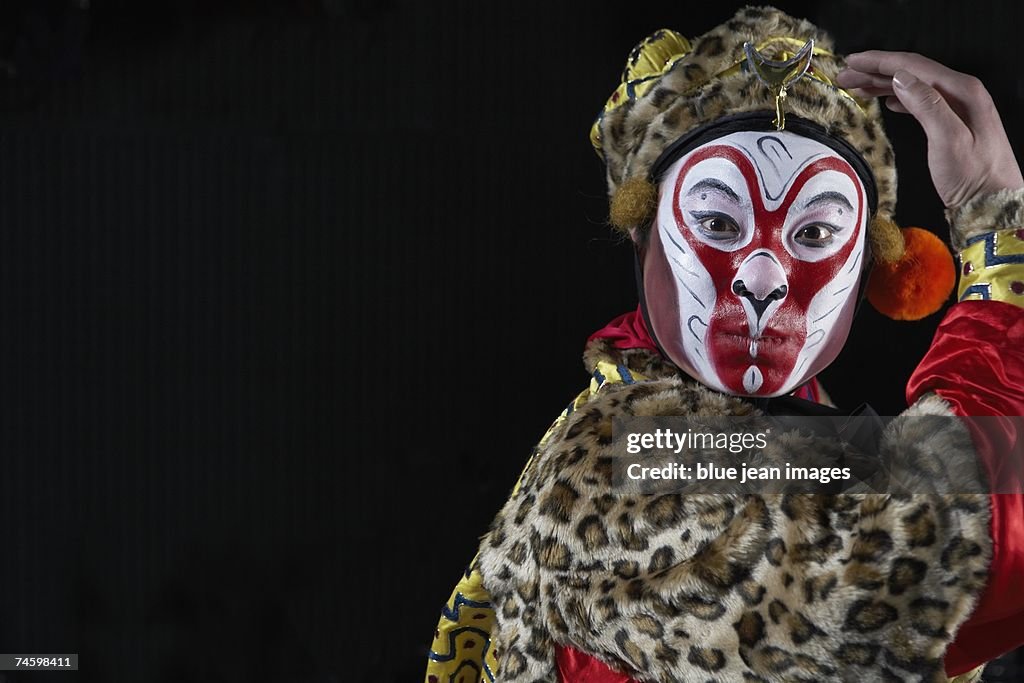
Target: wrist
985,213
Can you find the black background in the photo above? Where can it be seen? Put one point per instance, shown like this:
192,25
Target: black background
289,289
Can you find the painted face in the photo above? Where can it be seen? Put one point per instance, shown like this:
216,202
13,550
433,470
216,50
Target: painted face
753,266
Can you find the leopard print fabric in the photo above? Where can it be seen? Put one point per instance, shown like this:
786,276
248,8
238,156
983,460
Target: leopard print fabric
634,135
796,587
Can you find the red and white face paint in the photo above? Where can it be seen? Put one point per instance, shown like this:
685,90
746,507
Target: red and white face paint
753,267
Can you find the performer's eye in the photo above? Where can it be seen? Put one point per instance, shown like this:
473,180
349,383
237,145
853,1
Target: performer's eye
717,226
815,235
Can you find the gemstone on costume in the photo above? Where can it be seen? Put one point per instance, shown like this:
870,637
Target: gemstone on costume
968,267
1017,287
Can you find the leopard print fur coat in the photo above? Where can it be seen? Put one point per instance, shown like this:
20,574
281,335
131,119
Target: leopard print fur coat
728,587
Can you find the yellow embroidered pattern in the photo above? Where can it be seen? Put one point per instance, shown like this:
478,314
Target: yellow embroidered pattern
992,267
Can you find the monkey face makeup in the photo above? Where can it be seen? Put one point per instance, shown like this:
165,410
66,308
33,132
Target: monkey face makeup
753,266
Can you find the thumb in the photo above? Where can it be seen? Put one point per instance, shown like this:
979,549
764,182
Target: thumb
927,105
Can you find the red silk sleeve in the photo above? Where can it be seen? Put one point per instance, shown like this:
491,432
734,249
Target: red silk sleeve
976,363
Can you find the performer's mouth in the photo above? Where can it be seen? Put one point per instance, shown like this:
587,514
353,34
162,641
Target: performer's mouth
741,346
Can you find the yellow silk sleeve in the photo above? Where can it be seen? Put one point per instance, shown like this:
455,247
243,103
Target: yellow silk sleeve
462,641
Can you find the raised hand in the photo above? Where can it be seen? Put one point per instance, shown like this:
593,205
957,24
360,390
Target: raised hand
968,151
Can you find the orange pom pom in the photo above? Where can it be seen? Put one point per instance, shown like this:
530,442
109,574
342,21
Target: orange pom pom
917,284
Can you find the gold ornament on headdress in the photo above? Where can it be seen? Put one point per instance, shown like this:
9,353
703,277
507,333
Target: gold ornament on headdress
779,75
660,52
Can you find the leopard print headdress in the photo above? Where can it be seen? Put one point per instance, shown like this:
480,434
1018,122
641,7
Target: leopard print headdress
672,87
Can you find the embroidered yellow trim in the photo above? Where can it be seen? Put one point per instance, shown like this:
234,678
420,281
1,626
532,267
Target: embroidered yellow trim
992,267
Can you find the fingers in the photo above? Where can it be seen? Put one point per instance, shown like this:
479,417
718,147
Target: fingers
887,63
868,93
964,93
850,78
924,103
869,85
893,103
968,151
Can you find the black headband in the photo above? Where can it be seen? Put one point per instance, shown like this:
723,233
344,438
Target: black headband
763,121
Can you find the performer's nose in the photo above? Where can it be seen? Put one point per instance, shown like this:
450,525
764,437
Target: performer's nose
761,281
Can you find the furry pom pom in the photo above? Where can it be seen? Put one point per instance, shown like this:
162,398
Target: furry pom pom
917,284
886,240
633,204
